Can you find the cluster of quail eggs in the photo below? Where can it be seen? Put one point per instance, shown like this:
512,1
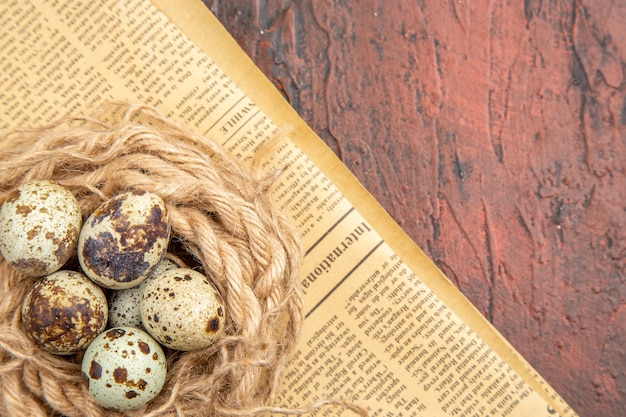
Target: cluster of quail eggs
124,302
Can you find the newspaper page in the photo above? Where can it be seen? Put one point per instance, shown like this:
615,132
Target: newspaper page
384,328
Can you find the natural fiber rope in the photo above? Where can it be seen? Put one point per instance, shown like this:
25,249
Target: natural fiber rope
221,214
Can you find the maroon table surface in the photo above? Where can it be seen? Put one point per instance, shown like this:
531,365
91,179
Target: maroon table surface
494,133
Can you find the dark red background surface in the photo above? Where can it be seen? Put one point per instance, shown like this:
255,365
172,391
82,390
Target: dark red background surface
494,133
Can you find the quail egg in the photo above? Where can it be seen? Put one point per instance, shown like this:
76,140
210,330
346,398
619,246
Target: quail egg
182,310
39,226
124,239
124,368
124,304
63,312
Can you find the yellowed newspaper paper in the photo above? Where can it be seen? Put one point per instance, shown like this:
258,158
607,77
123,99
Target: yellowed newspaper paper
383,326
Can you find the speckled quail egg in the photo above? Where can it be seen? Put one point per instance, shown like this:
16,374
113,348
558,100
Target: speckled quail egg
182,310
63,312
39,226
124,304
124,368
124,239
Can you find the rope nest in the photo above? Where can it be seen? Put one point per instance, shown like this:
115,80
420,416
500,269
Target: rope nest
223,221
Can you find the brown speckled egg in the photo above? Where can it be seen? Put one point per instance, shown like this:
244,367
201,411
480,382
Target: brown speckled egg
124,239
124,368
182,310
124,304
63,312
39,226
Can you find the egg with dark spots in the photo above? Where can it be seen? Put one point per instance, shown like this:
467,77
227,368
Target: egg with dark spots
124,368
182,310
39,226
124,304
63,312
124,240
